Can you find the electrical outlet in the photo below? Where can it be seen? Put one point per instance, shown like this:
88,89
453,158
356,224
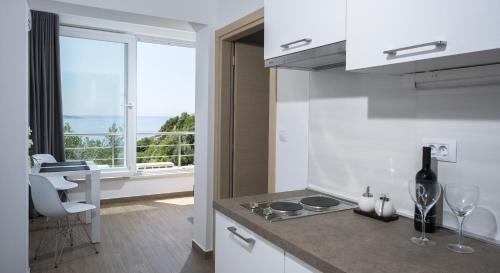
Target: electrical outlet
442,149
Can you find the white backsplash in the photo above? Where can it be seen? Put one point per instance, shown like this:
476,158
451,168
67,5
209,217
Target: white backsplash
291,130
367,129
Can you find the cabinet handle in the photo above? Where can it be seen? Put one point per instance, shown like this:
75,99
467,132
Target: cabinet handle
303,40
234,231
435,43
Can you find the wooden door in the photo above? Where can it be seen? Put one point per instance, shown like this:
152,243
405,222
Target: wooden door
250,121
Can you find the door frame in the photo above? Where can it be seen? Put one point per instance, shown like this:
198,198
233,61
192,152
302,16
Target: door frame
242,27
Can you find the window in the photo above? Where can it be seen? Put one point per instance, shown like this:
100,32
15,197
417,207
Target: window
104,77
93,79
165,106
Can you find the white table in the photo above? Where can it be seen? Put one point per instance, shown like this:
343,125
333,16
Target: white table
92,194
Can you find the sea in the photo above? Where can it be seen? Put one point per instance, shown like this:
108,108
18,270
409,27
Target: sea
146,125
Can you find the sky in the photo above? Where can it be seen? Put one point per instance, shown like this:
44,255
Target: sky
94,78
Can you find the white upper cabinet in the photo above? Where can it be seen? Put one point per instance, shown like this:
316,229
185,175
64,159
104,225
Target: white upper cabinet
296,25
394,36
239,250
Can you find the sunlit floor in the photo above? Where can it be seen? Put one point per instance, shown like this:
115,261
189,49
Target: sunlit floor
140,237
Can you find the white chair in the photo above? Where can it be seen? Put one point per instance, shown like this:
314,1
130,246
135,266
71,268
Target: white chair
44,158
59,182
47,202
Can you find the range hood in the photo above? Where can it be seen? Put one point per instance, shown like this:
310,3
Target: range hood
318,58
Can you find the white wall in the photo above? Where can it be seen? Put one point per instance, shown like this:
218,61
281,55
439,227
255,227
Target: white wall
14,124
140,25
367,129
228,11
138,186
203,194
292,112
198,11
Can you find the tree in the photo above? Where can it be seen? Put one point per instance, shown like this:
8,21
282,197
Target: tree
164,148
181,123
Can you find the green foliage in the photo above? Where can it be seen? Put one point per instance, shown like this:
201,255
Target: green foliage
165,148
109,149
181,123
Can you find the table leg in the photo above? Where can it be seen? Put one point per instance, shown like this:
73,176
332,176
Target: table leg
88,197
92,194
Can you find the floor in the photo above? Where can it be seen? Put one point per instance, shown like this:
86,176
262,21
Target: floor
149,236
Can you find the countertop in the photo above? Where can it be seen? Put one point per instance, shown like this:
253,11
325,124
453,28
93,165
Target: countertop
347,242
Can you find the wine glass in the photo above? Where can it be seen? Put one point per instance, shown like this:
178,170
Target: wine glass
425,196
462,200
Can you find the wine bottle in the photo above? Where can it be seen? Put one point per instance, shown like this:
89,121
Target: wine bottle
426,176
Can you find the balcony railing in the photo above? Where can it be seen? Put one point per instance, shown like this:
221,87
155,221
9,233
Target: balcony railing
181,148
155,150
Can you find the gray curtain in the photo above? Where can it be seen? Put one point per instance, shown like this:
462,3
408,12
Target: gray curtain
46,115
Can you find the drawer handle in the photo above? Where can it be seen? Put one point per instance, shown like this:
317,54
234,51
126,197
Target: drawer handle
435,43
234,231
303,40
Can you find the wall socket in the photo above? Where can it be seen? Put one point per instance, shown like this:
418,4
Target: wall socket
442,149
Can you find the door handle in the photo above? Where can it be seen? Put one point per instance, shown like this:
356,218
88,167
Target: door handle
130,105
303,40
434,43
234,231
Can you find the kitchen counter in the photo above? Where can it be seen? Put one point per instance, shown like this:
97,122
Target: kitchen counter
347,242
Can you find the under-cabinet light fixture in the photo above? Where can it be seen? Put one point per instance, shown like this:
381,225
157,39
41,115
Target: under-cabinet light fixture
457,77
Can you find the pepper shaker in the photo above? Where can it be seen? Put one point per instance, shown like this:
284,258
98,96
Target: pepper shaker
384,206
367,201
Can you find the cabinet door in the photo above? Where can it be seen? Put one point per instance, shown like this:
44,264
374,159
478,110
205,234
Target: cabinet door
374,28
295,265
234,254
308,23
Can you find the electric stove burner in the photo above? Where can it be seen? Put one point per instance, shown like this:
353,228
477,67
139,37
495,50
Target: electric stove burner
295,207
319,203
286,208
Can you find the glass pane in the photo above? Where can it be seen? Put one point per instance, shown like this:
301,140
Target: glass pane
93,75
165,106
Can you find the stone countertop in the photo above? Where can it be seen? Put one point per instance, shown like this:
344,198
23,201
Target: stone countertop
347,242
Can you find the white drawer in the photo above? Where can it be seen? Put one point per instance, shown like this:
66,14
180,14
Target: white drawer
237,249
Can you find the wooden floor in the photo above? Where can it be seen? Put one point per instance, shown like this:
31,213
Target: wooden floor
152,236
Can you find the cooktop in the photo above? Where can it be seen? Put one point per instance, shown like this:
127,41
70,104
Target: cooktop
284,209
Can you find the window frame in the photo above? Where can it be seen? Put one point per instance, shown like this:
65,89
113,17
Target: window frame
130,90
130,40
